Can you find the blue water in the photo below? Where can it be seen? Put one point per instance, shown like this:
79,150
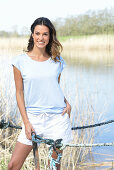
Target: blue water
95,85
82,86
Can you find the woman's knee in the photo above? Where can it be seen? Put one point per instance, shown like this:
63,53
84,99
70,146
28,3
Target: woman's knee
19,155
13,165
10,165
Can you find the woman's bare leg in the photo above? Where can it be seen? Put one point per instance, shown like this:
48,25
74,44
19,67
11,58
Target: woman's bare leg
19,155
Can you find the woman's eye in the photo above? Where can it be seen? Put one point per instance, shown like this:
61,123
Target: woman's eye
37,33
45,34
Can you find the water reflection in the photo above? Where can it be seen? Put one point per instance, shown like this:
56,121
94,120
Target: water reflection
85,84
93,85
94,58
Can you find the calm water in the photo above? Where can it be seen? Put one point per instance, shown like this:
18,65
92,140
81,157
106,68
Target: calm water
95,85
83,86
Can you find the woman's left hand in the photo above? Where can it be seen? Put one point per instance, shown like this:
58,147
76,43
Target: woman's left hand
67,109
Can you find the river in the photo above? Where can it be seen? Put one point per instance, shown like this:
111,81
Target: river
94,84
83,85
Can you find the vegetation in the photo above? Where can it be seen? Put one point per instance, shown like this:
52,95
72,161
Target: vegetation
92,50
82,43
92,22
89,23
8,110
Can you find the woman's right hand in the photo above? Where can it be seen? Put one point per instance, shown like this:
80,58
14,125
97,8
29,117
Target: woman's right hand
28,130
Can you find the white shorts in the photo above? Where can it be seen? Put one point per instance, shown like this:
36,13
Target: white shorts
49,126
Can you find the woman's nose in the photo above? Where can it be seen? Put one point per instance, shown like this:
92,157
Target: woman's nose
40,37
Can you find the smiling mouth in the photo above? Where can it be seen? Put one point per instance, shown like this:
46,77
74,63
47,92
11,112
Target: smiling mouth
41,42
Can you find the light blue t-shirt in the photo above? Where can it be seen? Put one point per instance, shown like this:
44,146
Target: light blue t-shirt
42,92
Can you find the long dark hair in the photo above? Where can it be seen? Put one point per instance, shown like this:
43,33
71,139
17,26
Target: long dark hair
54,47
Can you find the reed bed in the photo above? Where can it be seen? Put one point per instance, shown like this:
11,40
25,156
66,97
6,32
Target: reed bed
9,111
8,137
72,157
95,49
90,50
93,42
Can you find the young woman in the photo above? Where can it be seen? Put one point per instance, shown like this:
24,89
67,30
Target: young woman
41,102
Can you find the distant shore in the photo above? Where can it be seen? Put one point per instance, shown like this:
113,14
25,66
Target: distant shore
93,49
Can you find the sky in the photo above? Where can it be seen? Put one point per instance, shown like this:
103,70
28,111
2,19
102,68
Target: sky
15,14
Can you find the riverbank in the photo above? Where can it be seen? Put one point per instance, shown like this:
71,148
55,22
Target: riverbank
84,97
90,42
9,111
95,49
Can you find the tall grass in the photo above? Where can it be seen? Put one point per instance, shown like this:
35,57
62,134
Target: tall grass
72,157
93,42
95,49
90,50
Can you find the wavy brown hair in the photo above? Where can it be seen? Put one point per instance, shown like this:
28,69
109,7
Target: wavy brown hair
54,47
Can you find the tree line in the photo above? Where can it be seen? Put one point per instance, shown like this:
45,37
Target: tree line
89,23
92,22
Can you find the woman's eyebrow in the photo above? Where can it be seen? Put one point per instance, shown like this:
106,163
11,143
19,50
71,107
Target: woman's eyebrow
43,32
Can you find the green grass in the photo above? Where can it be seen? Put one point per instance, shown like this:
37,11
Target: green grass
3,165
65,38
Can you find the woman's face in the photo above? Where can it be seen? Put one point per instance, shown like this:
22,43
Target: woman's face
41,36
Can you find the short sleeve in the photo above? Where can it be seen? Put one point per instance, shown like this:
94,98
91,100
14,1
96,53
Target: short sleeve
63,63
16,62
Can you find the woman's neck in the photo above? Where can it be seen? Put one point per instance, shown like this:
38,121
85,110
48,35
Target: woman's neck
38,52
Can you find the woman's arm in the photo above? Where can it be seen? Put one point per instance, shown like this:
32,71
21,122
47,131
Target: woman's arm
59,78
67,109
20,101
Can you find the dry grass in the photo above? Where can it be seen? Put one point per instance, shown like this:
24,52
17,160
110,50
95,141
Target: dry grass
94,42
90,50
8,137
72,157
13,43
101,164
96,49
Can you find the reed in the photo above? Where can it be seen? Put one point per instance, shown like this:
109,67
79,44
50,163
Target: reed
72,157
95,49
90,50
8,111
93,42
